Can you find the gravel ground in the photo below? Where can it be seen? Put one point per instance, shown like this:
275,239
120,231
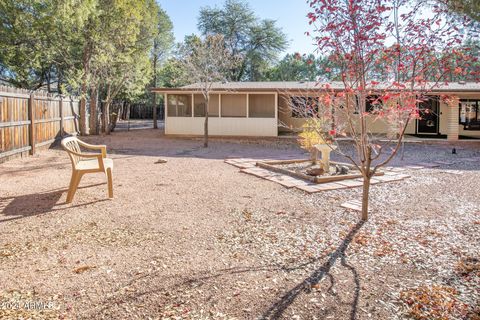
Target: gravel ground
193,238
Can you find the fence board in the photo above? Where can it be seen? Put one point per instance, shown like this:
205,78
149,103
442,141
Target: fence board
18,135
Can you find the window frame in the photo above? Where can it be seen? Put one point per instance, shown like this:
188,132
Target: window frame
470,125
476,106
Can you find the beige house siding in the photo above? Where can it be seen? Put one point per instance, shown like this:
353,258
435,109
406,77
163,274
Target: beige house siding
289,123
448,119
222,126
444,118
264,113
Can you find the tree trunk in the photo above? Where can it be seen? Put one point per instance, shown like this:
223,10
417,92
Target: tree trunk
125,111
114,118
241,71
93,111
49,86
365,194
155,123
367,175
107,116
83,114
83,100
103,124
205,127
59,80
106,110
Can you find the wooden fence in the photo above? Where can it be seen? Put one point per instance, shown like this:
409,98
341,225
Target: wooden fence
29,120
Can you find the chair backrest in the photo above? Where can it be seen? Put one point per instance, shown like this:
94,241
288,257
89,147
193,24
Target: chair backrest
71,144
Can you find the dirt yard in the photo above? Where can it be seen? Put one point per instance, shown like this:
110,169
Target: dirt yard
193,238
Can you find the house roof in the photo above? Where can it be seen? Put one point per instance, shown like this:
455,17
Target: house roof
306,86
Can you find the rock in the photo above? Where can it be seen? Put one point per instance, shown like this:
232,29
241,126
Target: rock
160,161
341,170
315,172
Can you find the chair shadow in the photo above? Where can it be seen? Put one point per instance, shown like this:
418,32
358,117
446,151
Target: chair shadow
29,205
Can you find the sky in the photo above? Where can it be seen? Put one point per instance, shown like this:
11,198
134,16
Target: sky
289,14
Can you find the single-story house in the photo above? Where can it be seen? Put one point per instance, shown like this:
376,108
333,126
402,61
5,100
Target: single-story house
264,109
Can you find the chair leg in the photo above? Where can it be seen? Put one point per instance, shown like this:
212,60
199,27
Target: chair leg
110,183
74,182
70,187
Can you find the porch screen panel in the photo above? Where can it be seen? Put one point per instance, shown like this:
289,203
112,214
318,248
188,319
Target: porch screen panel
199,105
234,105
184,105
179,105
261,106
172,106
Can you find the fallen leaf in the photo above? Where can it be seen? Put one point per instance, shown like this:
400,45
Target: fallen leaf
83,269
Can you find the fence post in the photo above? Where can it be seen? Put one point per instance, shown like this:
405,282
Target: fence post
62,120
31,128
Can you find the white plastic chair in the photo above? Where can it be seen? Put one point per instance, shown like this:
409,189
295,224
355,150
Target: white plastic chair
83,163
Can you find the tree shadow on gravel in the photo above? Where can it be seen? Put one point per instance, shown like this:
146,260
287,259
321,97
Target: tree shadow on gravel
278,308
148,285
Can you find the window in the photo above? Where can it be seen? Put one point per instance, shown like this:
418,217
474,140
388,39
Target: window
373,104
179,105
261,106
234,105
304,107
470,114
199,105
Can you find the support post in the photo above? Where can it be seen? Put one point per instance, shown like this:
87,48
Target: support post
276,105
276,113
452,127
165,112
31,128
62,120
219,105
154,111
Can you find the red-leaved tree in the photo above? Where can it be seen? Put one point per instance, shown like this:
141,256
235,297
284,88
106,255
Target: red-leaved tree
389,56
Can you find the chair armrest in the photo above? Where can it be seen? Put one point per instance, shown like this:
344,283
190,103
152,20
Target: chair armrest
99,157
101,147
